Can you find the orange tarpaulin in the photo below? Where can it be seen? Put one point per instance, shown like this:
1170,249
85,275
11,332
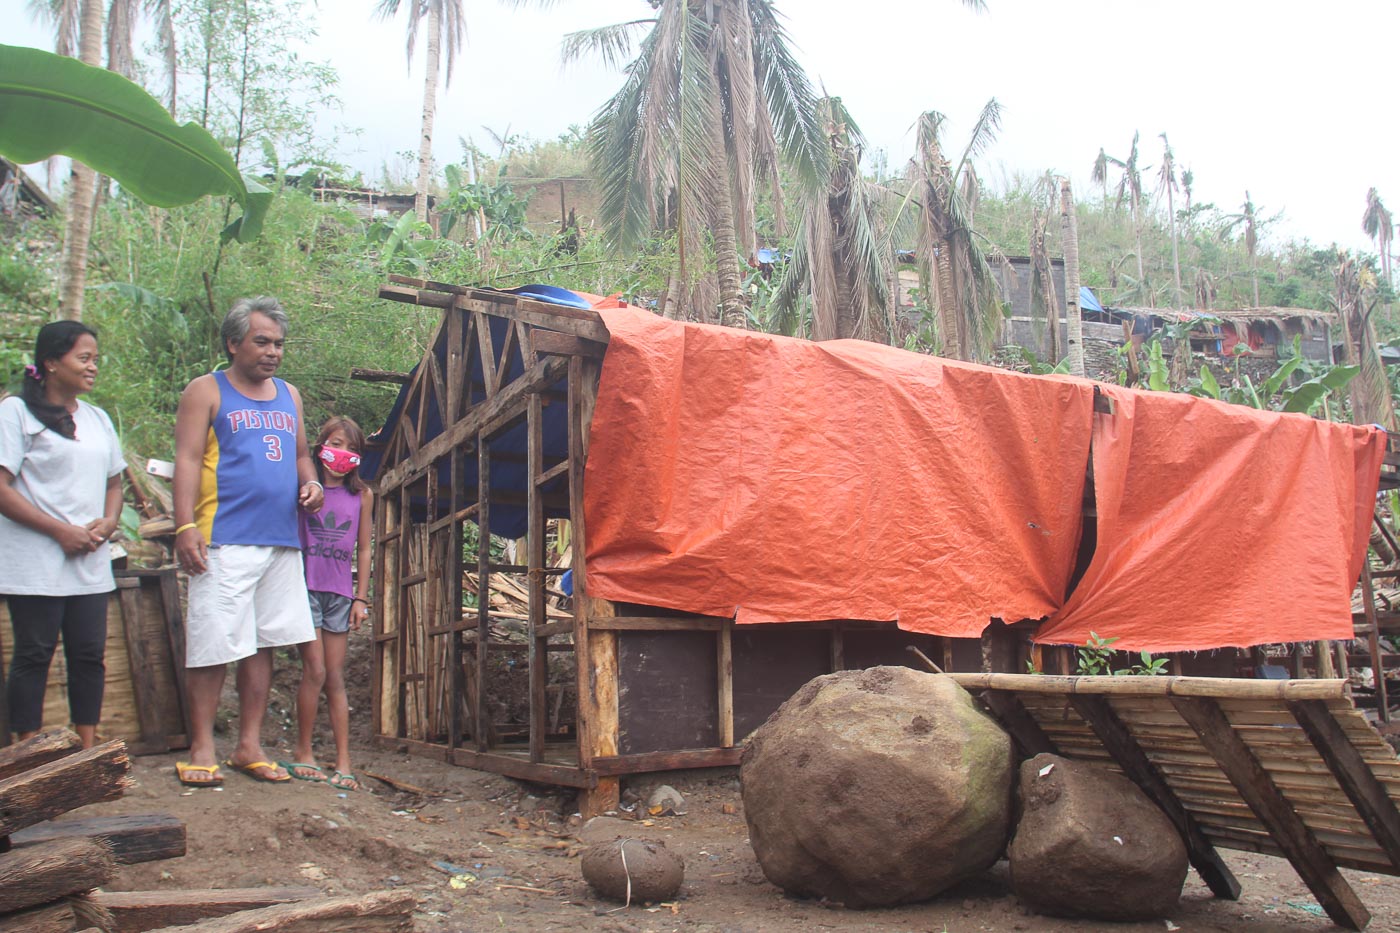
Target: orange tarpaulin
774,480
1221,525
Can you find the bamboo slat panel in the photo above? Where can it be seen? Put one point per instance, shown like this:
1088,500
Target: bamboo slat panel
1259,715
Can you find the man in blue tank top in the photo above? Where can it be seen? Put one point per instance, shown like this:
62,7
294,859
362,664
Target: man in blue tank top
242,466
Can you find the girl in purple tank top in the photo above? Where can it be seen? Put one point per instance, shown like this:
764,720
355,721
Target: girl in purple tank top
331,540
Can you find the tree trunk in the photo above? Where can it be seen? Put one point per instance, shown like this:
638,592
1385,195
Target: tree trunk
82,188
731,282
1142,276
949,315
425,143
1176,259
1074,321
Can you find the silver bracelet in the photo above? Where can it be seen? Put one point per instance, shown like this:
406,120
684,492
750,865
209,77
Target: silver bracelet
316,483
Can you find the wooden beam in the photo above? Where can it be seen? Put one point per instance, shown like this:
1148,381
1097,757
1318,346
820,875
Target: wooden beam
47,871
535,589
613,765
483,594
656,623
1288,830
1356,778
1119,742
37,750
457,683
542,374
89,776
1221,687
61,916
380,912
135,838
378,375
1022,726
539,314
548,341
135,911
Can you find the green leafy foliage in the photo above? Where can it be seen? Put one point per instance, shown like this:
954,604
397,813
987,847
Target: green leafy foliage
52,105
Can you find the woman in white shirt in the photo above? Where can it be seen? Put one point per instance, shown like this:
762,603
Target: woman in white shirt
60,499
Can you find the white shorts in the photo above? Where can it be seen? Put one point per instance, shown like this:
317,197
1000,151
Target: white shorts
251,597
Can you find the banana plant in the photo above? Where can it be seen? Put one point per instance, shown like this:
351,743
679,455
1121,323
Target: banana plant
52,105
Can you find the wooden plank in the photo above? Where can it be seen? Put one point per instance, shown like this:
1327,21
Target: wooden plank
656,623
456,676
1373,638
175,637
838,648
1220,687
613,765
380,911
486,356
439,385
377,375
548,341
525,770
47,871
137,911
61,916
1292,835
1373,803
1141,771
535,547
143,675
135,838
539,314
724,664
413,296
544,373
37,750
456,377
1019,723
508,347
89,776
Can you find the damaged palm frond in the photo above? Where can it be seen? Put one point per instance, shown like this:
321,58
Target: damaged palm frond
1354,299
614,45
843,260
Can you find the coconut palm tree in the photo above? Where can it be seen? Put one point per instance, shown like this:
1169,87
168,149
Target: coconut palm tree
445,22
1380,227
1249,219
1166,182
953,266
77,27
1074,321
1354,299
1099,174
1129,190
841,260
711,104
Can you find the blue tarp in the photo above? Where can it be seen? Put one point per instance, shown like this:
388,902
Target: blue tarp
1087,301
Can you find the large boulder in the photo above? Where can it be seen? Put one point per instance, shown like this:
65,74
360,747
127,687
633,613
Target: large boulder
877,787
1090,844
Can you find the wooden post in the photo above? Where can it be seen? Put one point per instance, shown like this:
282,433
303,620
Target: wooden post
44,872
1373,641
401,597
1288,830
595,650
453,616
1139,769
89,776
37,750
724,658
481,730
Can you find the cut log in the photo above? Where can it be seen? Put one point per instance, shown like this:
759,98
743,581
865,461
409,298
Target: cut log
45,872
90,776
370,913
137,911
141,837
38,750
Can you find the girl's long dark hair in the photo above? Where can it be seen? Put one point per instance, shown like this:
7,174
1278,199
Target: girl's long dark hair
53,341
356,439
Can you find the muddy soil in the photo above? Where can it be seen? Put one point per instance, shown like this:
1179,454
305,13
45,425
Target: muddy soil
481,851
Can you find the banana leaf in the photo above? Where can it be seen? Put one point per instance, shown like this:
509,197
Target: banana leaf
53,105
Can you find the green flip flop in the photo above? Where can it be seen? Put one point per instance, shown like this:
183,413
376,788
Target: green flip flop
344,780
292,766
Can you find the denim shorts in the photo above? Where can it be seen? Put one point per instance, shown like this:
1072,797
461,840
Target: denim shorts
330,611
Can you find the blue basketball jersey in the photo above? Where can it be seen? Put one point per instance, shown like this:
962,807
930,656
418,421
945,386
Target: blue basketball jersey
248,484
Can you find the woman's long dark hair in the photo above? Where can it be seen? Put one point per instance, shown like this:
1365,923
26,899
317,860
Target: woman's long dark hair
53,341
353,436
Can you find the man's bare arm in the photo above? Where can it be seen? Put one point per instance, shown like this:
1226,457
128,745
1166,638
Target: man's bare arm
192,422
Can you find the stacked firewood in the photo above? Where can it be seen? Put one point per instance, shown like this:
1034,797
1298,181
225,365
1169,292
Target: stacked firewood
50,871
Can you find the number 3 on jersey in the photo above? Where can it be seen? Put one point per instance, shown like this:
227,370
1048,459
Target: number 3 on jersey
274,446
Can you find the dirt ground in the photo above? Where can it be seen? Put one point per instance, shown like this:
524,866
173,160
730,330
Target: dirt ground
485,852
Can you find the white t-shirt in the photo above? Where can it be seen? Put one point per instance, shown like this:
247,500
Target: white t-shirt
66,479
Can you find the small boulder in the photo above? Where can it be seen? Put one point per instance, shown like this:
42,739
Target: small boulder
633,869
877,787
666,800
1091,844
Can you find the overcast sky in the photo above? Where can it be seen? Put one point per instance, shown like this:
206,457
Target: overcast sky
1286,99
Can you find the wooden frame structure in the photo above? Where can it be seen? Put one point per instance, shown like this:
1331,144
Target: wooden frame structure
1288,768
492,428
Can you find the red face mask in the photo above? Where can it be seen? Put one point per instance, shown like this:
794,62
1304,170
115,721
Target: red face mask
339,461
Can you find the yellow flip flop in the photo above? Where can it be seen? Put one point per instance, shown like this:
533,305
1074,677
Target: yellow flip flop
183,769
252,769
